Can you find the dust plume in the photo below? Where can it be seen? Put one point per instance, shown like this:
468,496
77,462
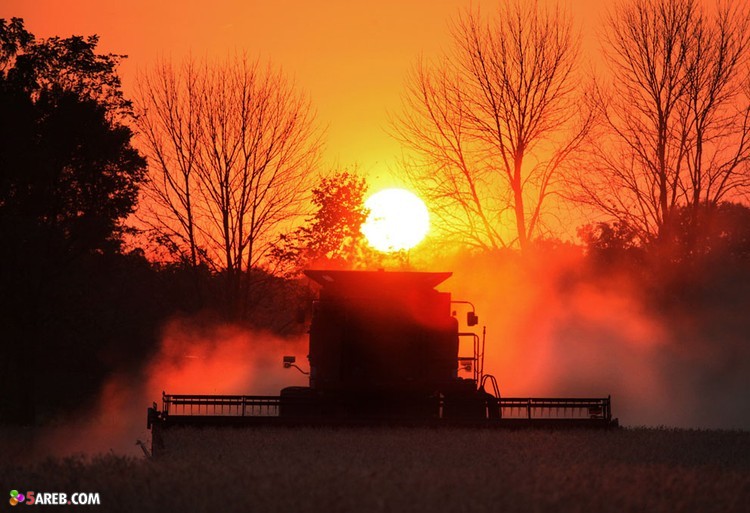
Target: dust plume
669,355
194,357
555,327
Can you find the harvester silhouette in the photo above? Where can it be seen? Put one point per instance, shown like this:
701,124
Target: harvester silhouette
384,349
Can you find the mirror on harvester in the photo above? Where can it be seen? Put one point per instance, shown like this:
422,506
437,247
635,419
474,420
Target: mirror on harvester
289,361
472,319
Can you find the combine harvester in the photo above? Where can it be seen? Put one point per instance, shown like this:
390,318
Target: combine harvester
384,349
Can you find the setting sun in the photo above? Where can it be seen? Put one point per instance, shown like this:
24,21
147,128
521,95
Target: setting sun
398,220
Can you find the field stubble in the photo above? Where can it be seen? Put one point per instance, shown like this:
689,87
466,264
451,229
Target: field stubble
306,470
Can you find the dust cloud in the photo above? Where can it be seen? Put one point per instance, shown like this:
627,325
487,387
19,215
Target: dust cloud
555,328
194,357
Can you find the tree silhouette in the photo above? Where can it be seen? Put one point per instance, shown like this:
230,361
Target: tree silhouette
332,236
68,179
68,172
494,122
676,113
68,168
13,38
233,148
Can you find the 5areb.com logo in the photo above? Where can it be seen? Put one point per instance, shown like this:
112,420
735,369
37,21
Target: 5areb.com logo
57,498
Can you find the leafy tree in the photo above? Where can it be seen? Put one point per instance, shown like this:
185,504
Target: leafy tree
60,64
612,236
332,236
699,240
610,243
13,37
68,174
67,168
69,177
710,234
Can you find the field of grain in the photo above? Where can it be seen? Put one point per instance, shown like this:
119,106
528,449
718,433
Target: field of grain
420,470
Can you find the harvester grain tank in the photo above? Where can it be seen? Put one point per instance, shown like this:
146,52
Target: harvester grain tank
384,347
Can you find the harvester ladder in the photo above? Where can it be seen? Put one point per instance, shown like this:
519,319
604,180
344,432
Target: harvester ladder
494,411
493,382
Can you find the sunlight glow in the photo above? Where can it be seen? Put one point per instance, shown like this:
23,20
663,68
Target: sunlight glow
398,220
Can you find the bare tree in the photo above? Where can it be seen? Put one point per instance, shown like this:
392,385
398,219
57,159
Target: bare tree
716,108
233,148
493,123
675,115
170,108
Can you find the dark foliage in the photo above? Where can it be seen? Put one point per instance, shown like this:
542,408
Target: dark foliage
68,175
68,179
13,37
699,240
710,233
68,172
331,237
60,64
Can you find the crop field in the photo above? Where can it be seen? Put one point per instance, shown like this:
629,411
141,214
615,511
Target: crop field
420,470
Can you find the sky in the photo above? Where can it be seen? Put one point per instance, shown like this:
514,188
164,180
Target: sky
350,56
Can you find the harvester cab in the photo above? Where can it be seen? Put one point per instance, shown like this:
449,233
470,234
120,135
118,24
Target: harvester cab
385,345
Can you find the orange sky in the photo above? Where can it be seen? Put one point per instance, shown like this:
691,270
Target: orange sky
350,56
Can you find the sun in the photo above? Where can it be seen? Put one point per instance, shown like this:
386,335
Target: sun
398,220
